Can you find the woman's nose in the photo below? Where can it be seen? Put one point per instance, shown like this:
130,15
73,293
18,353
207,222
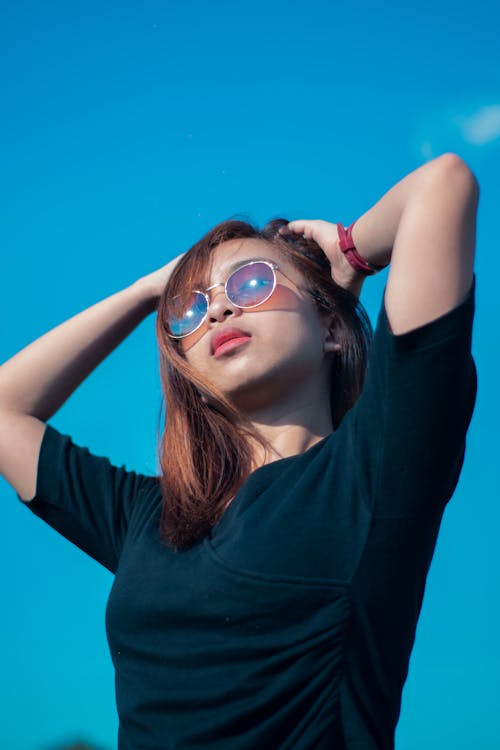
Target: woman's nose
220,307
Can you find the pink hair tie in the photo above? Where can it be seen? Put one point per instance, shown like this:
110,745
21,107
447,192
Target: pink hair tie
348,247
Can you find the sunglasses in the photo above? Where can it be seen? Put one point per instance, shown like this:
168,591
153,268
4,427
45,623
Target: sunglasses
247,287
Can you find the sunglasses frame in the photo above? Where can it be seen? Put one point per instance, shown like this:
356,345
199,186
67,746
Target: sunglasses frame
273,266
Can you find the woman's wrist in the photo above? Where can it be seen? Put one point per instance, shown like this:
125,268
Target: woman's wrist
375,255
345,275
147,292
348,248
153,284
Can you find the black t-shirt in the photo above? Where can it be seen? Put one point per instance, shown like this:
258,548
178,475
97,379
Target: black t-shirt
291,625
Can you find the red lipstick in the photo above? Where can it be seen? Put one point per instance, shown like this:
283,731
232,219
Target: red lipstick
228,339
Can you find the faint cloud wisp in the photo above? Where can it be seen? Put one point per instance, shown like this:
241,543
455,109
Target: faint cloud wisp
476,127
481,127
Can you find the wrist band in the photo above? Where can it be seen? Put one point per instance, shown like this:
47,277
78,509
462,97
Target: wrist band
348,247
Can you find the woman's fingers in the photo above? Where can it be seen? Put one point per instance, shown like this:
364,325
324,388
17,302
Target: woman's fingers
326,235
322,232
307,227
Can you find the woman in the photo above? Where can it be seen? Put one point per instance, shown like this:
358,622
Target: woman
268,583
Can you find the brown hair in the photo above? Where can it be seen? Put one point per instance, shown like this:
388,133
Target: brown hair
205,452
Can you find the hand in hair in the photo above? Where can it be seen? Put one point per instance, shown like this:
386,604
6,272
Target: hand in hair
325,234
157,280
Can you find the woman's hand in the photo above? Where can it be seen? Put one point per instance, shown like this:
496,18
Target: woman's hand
156,281
326,235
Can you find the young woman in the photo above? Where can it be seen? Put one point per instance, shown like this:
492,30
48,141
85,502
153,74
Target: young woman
269,581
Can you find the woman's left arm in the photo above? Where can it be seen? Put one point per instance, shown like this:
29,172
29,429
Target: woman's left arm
425,226
409,424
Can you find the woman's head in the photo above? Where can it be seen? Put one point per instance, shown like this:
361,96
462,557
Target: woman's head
307,309
309,333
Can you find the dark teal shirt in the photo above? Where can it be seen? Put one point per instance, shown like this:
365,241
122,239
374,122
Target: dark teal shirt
291,625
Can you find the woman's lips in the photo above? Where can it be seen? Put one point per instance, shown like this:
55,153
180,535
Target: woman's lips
228,346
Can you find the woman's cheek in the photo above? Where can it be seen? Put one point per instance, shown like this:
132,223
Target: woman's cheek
192,339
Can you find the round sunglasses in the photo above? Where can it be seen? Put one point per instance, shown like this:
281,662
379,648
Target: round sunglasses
248,286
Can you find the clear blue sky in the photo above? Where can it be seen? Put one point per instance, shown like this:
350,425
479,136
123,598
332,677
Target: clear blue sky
128,129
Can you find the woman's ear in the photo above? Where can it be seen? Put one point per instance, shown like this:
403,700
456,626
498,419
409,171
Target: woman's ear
330,343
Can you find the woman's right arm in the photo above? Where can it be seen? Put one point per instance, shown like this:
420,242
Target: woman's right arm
37,381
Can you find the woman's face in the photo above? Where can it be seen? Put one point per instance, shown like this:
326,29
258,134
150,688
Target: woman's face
284,341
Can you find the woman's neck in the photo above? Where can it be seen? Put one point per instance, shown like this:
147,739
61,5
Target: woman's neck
293,430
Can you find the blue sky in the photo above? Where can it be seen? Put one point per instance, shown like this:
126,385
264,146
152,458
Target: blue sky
128,130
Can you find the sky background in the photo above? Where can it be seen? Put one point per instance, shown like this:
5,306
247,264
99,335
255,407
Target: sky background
128,130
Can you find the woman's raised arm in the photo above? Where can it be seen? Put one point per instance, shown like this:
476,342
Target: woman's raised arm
37,381
425,226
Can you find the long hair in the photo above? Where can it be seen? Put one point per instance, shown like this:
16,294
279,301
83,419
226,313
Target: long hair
205,452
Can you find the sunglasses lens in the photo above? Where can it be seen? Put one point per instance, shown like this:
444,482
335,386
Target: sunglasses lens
187,316
251,285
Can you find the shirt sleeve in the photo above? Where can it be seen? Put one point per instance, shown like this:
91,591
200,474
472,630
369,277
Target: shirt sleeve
410,422
85,497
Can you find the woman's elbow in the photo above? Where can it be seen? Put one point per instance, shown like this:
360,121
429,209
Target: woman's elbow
452,167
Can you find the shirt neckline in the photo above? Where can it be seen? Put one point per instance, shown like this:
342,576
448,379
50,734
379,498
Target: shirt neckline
231,508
